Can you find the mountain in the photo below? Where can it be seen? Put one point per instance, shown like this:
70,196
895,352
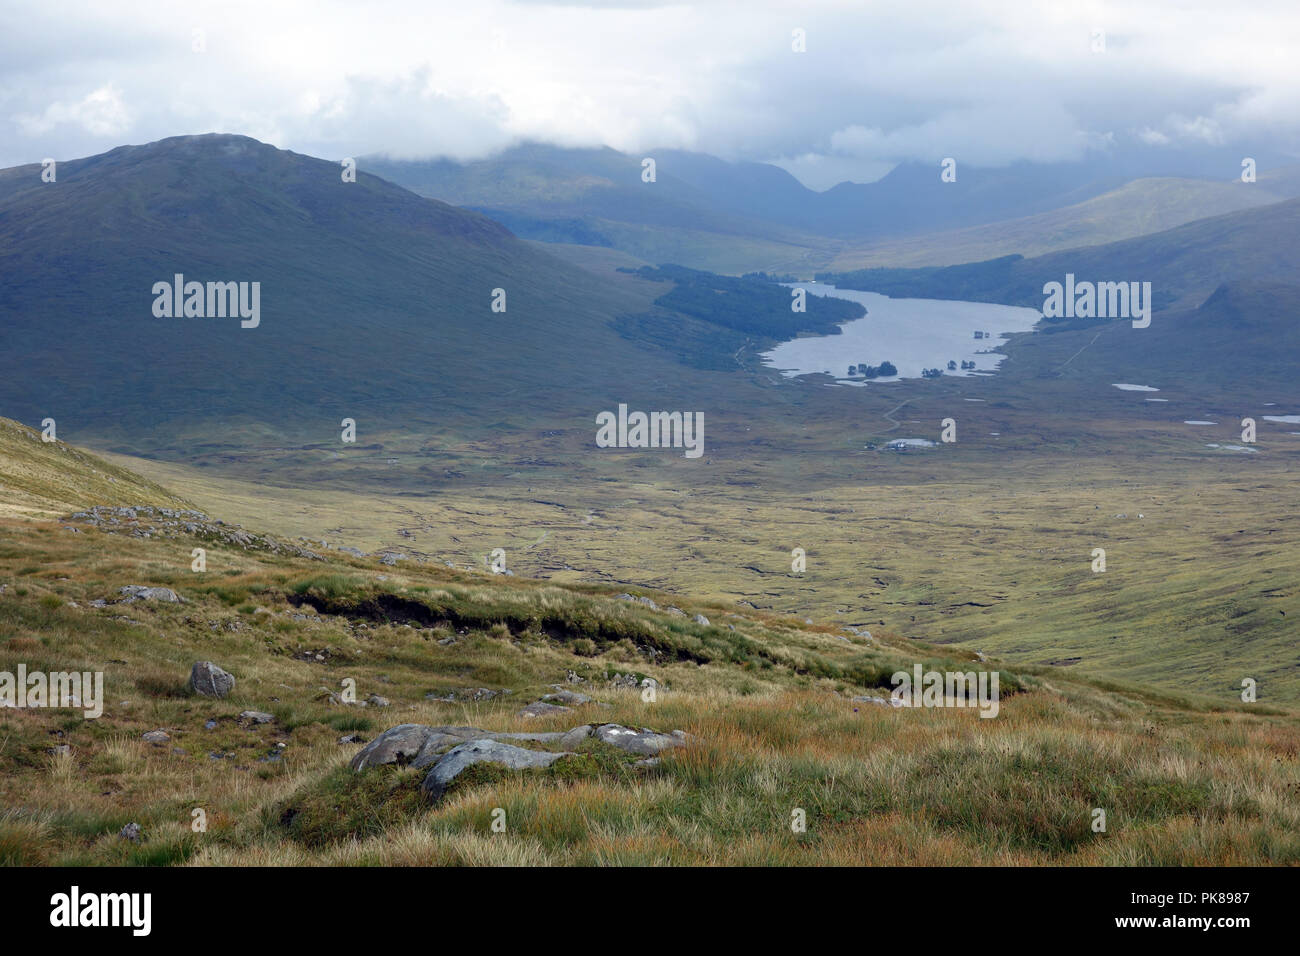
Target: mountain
1184,264
745,216
1137,208
596,197
375,304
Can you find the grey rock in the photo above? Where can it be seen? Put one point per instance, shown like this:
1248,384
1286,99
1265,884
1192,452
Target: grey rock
415,744
156,737
130,832
566,697
352,739
646,742
209,680
374,700
450,764
637,599
674,611
136,592
577,735
542,709
256,716
701,620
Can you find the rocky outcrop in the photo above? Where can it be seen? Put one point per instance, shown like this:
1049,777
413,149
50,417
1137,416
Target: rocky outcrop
447,751
646,742
486,750
144,522
138,592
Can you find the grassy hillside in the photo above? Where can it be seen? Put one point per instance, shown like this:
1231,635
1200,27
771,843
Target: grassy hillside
1184,264
376,305
1137,208
45,479
766,701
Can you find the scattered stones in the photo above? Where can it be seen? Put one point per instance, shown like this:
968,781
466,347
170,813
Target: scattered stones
572,677
469,693
450,764
130,832
645,742
209,680
156,737
638,600
60,750
142,522
138,592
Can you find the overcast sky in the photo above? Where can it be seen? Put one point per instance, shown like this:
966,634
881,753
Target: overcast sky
988,81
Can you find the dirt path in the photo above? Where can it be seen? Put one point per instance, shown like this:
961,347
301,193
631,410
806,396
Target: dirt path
887,416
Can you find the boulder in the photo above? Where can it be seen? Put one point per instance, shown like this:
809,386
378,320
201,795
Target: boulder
646,742
155,737
567,698
209,680
450,764
701,620
256,716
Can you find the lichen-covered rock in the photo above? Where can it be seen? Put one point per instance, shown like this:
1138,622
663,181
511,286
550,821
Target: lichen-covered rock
209,680
646,742
454,761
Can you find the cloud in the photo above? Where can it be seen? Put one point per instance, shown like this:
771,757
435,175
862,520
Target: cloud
986,81
99,113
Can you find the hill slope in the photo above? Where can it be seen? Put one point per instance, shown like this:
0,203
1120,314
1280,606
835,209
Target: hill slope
774,714
1137,208
375,304
41,479
1184,264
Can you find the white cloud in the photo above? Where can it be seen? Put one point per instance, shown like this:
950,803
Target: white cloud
99,113
987,81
